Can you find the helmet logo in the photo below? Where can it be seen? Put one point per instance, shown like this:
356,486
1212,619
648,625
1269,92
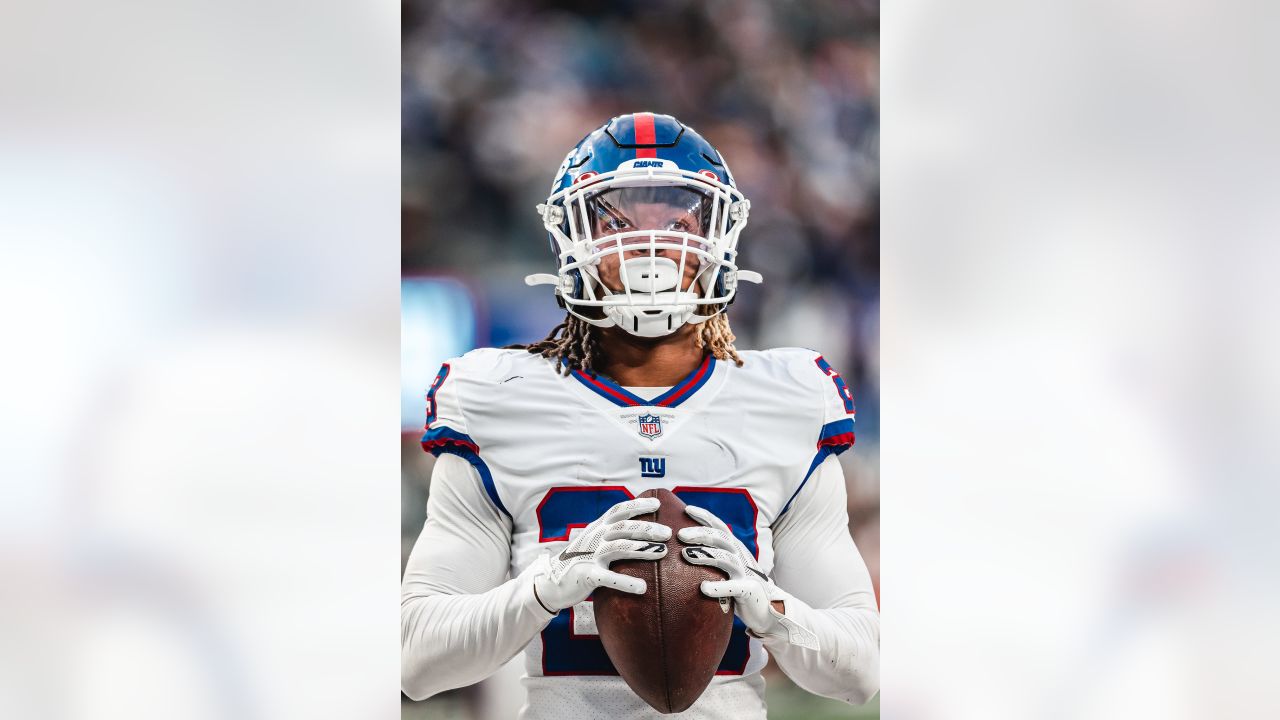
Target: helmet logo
646,163
708,173
585,176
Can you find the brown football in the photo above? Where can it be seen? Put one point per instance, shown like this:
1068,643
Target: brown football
668,642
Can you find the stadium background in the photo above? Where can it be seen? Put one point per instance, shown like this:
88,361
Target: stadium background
494,92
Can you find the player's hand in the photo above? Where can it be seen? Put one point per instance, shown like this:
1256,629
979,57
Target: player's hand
754,594
566,578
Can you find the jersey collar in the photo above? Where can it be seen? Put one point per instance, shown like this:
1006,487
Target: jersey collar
681,391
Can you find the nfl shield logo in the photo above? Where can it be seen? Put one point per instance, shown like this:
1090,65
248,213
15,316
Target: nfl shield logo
650,426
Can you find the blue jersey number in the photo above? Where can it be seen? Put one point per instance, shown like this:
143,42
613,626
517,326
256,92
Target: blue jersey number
565,652
842,388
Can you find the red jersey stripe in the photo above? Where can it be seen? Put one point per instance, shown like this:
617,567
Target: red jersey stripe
692,381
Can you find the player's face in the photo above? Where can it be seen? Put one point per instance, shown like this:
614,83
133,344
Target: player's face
678,212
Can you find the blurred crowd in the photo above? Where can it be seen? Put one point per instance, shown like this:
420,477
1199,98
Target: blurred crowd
495,92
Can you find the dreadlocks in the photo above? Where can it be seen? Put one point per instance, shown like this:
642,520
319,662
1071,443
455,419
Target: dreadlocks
576,345
716,335
572,343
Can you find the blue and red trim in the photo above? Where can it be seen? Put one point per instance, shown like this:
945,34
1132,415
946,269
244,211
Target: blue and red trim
687,387
441,439
833,439
837,433
620,396
609,390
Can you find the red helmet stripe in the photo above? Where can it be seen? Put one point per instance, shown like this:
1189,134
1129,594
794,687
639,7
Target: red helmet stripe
645,135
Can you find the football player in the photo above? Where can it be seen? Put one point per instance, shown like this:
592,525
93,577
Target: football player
543,450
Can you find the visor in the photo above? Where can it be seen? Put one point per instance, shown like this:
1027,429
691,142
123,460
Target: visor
664,209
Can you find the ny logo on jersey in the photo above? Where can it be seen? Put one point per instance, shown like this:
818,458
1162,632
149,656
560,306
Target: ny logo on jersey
653,467
650,426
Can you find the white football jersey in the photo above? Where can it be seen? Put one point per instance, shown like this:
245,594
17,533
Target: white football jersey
555,452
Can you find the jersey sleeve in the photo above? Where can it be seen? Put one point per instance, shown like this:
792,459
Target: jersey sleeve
460,618
834,415
838,412
817,562
446,428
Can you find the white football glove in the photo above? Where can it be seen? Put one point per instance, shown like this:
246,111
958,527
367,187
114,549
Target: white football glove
752,591
564,579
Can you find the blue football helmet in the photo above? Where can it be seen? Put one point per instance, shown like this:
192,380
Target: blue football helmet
644,219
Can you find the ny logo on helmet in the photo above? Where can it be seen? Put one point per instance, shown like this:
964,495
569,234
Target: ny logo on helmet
650,426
